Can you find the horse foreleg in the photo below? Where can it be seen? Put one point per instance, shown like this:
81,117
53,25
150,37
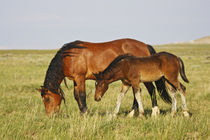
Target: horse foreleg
138,94
151,89
134,107
80,95
119,99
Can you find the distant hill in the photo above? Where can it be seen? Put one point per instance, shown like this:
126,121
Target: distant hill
203,40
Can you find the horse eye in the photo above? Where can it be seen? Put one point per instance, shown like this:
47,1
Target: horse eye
47,100
42,94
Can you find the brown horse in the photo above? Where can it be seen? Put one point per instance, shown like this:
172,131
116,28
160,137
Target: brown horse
78,60
133,70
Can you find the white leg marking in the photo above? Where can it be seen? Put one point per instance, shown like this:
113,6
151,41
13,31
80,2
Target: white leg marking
130,115
138,96
174,102
155,111
184,105
119,99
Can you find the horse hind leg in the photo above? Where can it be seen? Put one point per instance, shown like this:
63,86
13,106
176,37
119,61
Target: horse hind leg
173,87
184,105
120,98
174,103
173,90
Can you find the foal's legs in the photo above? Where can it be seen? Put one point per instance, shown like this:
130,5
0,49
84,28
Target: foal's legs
181,88
184,105
138,95
173,94
151,90
120,97
174,103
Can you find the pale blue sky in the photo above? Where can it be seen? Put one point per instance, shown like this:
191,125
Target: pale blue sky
48,24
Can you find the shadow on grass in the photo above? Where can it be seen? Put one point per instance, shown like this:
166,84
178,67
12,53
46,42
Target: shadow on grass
123,113
147,113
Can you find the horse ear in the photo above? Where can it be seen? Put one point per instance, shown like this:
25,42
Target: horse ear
39,89
42,89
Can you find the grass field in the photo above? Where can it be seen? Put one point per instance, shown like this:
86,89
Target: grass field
22,114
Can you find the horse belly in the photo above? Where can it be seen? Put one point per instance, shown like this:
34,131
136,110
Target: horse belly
149,76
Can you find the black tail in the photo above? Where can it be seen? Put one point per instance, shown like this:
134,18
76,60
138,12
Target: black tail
160,84
182,71
162,90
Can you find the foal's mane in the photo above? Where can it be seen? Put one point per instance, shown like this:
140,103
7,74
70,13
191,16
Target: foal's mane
55,69
116,61
113,65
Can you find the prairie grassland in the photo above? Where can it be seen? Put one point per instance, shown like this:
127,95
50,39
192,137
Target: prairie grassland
22,114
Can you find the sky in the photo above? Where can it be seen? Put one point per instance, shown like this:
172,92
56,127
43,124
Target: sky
48,24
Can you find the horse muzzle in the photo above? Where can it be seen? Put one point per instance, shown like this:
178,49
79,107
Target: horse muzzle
98,98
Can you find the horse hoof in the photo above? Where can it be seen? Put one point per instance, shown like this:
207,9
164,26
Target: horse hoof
186,114
173,114
130,115
155,111
84,112
111,116
141,115
114,115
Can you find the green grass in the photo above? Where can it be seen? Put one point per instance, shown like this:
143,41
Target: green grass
22,114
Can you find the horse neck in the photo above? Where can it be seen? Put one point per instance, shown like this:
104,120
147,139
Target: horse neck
113,74
53,84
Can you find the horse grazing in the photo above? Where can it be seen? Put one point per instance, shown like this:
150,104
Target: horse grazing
79,60
132,70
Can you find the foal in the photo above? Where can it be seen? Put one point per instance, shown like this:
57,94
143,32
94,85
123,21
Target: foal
132,70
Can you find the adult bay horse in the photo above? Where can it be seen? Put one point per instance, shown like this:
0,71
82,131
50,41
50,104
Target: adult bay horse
79,60
132,70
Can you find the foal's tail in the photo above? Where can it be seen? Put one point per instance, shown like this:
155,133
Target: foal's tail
182,71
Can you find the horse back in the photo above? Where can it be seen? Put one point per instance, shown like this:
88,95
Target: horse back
150,68
91,58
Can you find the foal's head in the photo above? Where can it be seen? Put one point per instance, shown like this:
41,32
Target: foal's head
101,87
52,101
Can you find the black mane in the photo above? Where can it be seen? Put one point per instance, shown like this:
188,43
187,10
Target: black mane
116,61
55,69
112,66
